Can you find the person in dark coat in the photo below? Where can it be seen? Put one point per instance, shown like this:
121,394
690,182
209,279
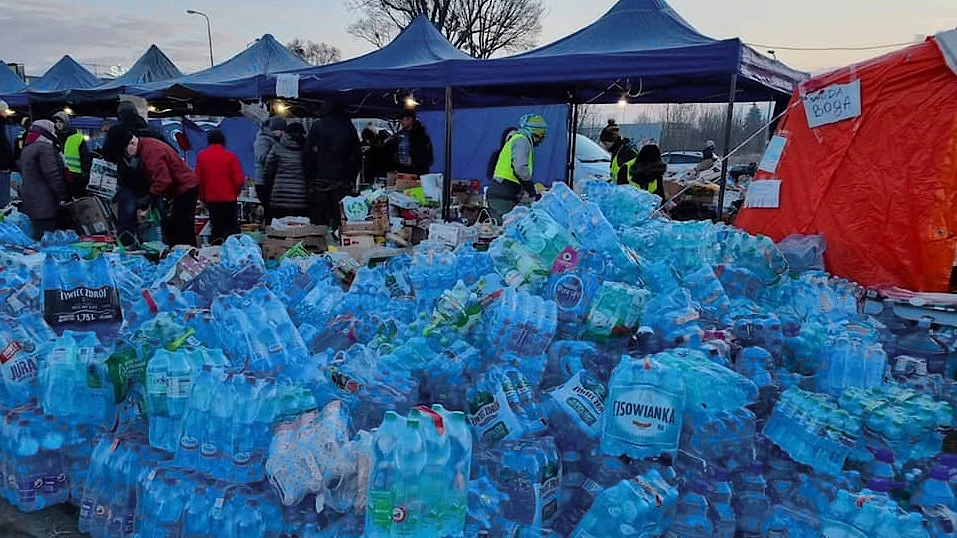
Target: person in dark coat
411,146
332,162
44,190
623,154
268,137
221,179
283,170
132,189
649,172
168,177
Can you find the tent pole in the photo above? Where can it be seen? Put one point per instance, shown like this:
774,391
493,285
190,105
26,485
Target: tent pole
572,143
728,121
447,177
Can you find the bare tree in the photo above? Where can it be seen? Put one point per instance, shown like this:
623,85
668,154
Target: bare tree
315,53
481,28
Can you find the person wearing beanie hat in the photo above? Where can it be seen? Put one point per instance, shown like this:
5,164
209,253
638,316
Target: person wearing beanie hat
76,154
513,171
623,155
168,177
268,137
132,186
44,189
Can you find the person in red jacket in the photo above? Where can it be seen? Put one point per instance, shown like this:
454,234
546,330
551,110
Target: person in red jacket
221,180
168,177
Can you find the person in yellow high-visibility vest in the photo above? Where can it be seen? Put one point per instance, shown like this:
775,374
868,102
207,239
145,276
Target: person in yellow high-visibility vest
623,155
515,165
76,155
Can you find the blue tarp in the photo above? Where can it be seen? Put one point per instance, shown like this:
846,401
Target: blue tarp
477,134
240,135
236,78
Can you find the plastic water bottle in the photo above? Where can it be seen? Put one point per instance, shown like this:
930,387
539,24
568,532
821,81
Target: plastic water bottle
383,477
409,512
751,501
935,490
644,409
721,513
691,514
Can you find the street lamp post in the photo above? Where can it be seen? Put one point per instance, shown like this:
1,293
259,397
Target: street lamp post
209,32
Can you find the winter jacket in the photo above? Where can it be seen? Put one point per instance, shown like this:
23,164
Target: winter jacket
333,152
130,173
7,161
650,168
419,148
220,175
167,174
44,180
284,171
261,148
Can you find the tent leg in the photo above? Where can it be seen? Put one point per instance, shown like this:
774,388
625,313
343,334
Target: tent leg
572,143
728,122
447,176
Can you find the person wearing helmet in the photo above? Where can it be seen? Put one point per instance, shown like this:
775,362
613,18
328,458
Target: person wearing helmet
707,157
514,168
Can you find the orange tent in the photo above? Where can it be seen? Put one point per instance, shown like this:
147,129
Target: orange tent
882,186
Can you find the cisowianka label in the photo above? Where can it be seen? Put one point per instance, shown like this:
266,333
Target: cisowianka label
81,305
645,414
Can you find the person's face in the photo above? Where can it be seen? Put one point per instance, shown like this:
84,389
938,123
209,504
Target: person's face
59,125
607,144
132,147
407,122
538,138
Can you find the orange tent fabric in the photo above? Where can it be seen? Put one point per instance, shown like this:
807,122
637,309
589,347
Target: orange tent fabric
882,187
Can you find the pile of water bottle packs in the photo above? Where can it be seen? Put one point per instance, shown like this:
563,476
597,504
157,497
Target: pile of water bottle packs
598,372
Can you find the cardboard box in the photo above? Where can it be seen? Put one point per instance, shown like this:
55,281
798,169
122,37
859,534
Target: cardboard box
349,240
451,235
407,181
278,241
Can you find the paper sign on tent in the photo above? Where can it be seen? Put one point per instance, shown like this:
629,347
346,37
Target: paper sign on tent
772,155
763,194
832,104
287,85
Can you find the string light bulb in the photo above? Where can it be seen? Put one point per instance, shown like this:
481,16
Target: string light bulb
623,102
68,110
410,102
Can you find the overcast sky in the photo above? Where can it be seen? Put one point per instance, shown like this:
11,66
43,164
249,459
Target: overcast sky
111,32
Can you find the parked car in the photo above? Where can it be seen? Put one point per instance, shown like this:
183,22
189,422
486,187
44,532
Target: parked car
591,161
681,162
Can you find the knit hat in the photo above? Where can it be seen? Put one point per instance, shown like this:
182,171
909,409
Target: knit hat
64,117
710,144
277,123
43,126
610,133
114,146
535,124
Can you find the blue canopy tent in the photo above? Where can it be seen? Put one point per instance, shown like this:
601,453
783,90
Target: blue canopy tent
236,78
11,86
639,51
152,66
56,84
